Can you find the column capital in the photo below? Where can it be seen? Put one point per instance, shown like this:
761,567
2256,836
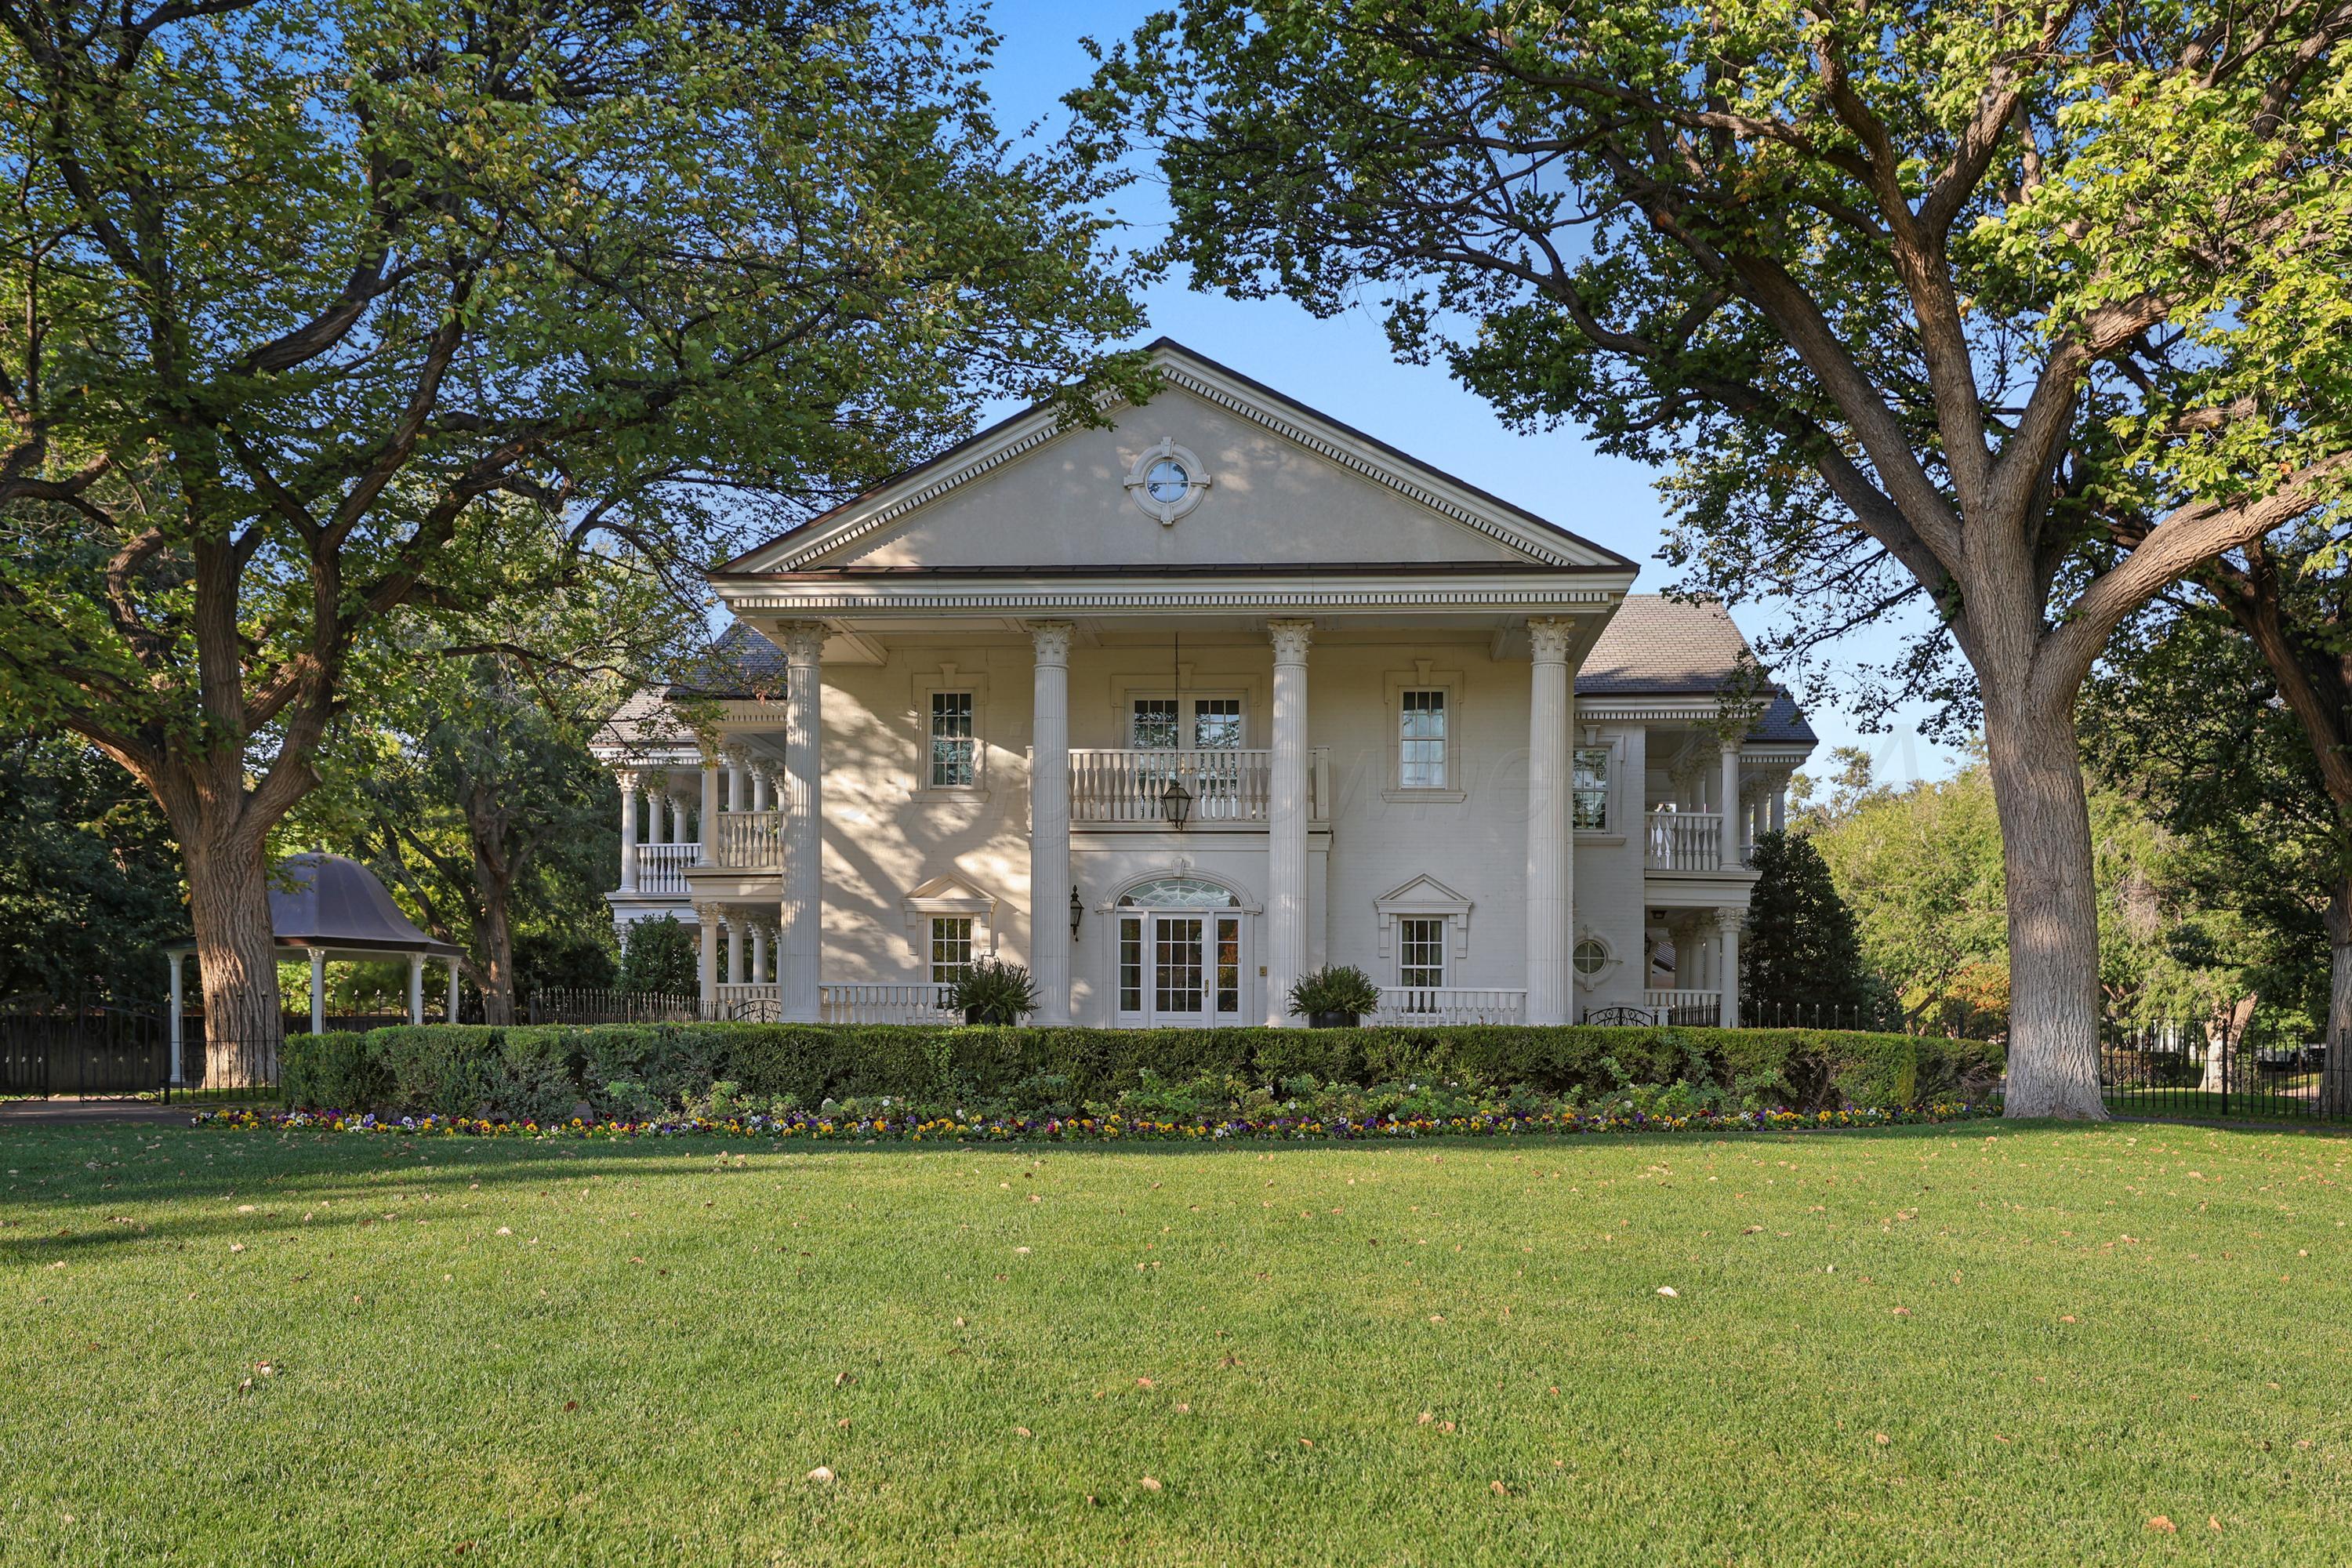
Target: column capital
626,778
707,911
804,640
1549,636
1051,641
1291,639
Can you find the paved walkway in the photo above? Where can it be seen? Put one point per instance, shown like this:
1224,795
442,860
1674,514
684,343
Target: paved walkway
26,1112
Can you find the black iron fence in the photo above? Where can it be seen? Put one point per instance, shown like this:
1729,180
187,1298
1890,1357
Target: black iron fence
2224,1068
1759,1013
586,1007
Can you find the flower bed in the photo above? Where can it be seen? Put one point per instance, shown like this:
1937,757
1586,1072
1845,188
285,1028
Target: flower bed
818,1128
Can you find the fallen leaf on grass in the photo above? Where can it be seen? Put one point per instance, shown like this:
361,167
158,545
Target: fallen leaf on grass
2163,1525
1668,1290
1148,1484
1498,1488
822,1476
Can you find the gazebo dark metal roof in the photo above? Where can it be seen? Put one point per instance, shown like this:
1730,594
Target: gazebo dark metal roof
333,903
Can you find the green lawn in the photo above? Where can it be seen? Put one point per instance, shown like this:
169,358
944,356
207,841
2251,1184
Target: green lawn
1959,1344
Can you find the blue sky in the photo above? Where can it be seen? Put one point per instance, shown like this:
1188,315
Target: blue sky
1343,367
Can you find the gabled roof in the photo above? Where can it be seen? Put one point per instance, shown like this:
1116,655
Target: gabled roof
1545,544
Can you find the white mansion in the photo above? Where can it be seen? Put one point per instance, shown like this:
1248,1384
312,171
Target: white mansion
1175,711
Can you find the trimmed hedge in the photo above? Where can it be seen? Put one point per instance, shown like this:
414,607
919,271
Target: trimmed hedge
540,1072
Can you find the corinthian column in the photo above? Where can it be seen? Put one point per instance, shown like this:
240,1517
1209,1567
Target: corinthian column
1049,820
1550,865
1286,820
800,938
627,779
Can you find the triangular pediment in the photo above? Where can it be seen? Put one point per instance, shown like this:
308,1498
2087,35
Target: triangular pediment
1424,895
1277,484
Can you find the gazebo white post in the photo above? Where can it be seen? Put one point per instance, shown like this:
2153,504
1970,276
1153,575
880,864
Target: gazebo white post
317,990
452,1014
416,988
628,781
178,1005
800,934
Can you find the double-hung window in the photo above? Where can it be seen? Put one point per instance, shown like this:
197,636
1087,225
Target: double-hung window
1421,738
1420,951
1592,789
952,755
951,948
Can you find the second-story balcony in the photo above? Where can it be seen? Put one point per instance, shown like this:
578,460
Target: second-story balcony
1683,841
661,869
1214,787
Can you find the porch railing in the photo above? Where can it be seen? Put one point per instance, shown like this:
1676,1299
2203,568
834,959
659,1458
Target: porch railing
1405,1005
1127,785
1684,841
750,840
885,1003
661,868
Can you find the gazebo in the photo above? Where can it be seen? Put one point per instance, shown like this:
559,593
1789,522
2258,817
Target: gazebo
331,905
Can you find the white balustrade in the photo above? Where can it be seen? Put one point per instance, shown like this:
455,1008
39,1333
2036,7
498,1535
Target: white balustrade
1696,1008
922,1002
750,840
1686,841
1226,784
1450,1005
661,868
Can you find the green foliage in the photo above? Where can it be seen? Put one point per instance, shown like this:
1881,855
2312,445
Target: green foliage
1343,989
1921,869
1801,947
89,882
659,957
335,1071
993,992
630,1069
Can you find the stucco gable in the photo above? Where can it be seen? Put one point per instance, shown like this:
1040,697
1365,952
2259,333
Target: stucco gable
1287,486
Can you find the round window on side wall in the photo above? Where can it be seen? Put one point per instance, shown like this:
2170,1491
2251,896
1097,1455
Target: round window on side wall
1591,957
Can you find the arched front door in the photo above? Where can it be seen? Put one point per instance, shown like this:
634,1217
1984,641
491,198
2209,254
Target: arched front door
1182,954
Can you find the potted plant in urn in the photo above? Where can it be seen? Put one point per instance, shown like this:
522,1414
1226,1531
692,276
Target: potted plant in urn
993,993
1335,998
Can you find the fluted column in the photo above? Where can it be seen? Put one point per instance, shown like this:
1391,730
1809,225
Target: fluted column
1550,851
1730,803
800,926
1286,820
735,933
628,781
706,957
1727,923
1779,813
706,828
1049,821
416,988
759,953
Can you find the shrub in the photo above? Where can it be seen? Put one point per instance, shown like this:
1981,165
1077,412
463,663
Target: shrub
1345,989
990,992
637,1071
658,956
332,1071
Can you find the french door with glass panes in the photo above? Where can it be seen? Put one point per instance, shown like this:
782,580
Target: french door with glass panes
1180,967
1204,734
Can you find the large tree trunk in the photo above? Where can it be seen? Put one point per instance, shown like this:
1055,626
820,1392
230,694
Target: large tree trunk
494,868
2336,1078
237,952
2053,917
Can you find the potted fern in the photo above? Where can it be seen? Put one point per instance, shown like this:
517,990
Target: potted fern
1335,997
990,992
